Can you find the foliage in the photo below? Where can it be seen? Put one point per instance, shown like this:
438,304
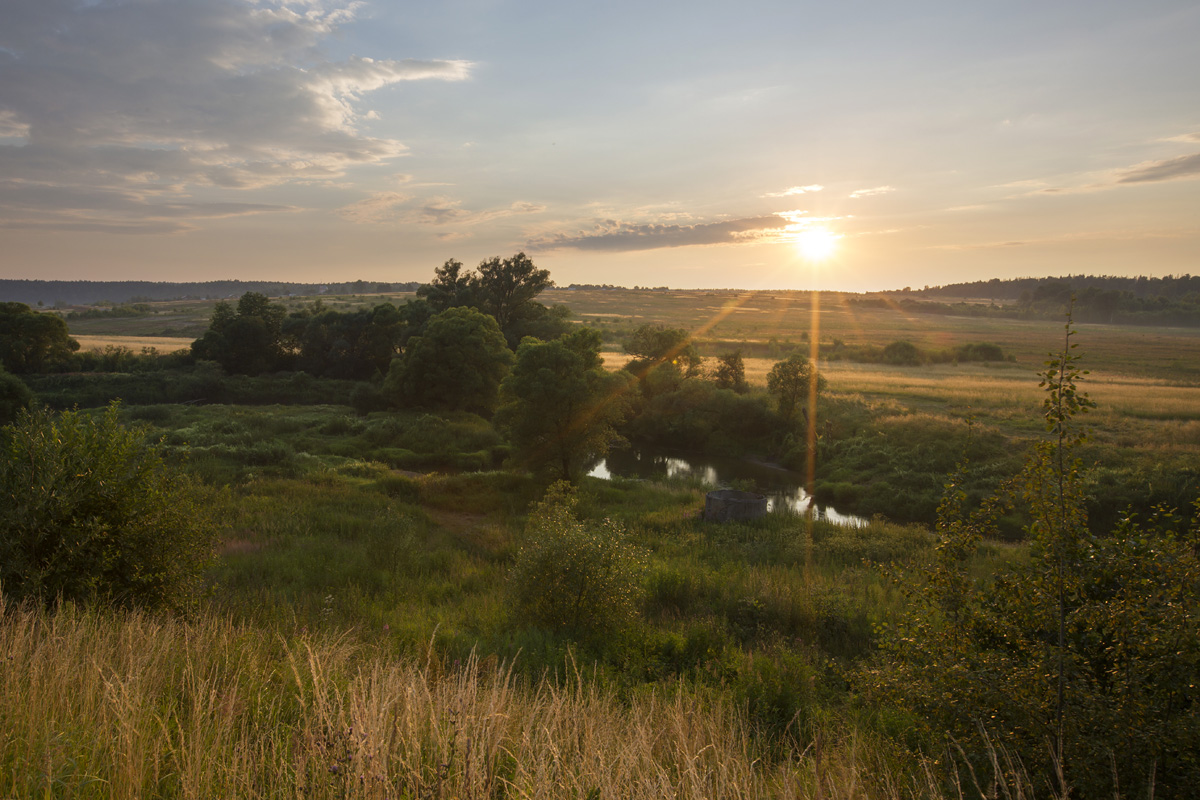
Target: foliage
450,287
509,287
584,578
89,511
789,381
1082,658
731,372
32,342
560,406
351,344
504,288
248,341
655,345
697,415
904,354
14,397
456,364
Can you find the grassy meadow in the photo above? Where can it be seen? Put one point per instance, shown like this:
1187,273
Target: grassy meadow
358,636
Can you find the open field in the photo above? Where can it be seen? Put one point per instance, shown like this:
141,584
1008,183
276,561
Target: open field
779,321
163,344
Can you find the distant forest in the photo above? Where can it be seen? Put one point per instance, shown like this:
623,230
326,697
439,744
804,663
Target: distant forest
78,293
1173,300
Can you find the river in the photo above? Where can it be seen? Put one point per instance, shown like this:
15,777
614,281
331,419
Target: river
783,488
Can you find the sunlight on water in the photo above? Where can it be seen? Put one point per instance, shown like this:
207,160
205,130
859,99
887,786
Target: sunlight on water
784,489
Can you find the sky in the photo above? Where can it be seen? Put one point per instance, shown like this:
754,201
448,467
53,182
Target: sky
692,145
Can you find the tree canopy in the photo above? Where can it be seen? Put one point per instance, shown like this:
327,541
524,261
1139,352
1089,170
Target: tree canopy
32,342
248,340
456,364
788,380
655,345
346,344
504,288
560,406
731,372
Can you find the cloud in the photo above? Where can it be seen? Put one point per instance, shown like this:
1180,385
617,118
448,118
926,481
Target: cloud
871,192
378,208
614,235
391,207
1168,169
47,207
795,190
152,98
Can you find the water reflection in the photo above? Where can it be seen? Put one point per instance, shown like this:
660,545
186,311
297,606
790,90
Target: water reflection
783,488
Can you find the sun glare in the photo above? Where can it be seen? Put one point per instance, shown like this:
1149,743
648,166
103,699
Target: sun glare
817,244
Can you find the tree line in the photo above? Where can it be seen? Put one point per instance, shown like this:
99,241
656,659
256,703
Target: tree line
71,293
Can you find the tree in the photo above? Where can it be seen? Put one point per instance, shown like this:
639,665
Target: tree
505,288
508,287
345,344
731,372
788,380
450,287
248,341
32,342
655,345
457,364
559,406
90,512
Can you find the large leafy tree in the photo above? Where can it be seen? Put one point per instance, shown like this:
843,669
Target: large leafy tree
655,345
789,381
504,288
456,364
451,287
509,287
346,344
248,340
32,342
731,372
560,406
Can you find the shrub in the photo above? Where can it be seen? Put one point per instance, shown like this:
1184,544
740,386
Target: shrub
575,576
14,396
89,512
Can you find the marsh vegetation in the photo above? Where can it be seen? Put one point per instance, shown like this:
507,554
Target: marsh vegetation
400,589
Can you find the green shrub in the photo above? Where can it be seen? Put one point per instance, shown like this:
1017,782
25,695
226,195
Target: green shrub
584,578
89,511
14,396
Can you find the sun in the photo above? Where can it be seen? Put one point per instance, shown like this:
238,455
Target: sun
817,244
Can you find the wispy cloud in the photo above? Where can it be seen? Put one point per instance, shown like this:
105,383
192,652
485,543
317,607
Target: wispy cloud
392,207
618,236
1168,169
47,207
152,98
795,190
871,192
1072,237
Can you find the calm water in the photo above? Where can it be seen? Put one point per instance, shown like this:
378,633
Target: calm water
784,489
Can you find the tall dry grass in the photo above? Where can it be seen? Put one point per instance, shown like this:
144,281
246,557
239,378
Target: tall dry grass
95,704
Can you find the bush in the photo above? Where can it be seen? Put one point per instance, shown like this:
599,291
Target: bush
14,396
89,512
574,576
